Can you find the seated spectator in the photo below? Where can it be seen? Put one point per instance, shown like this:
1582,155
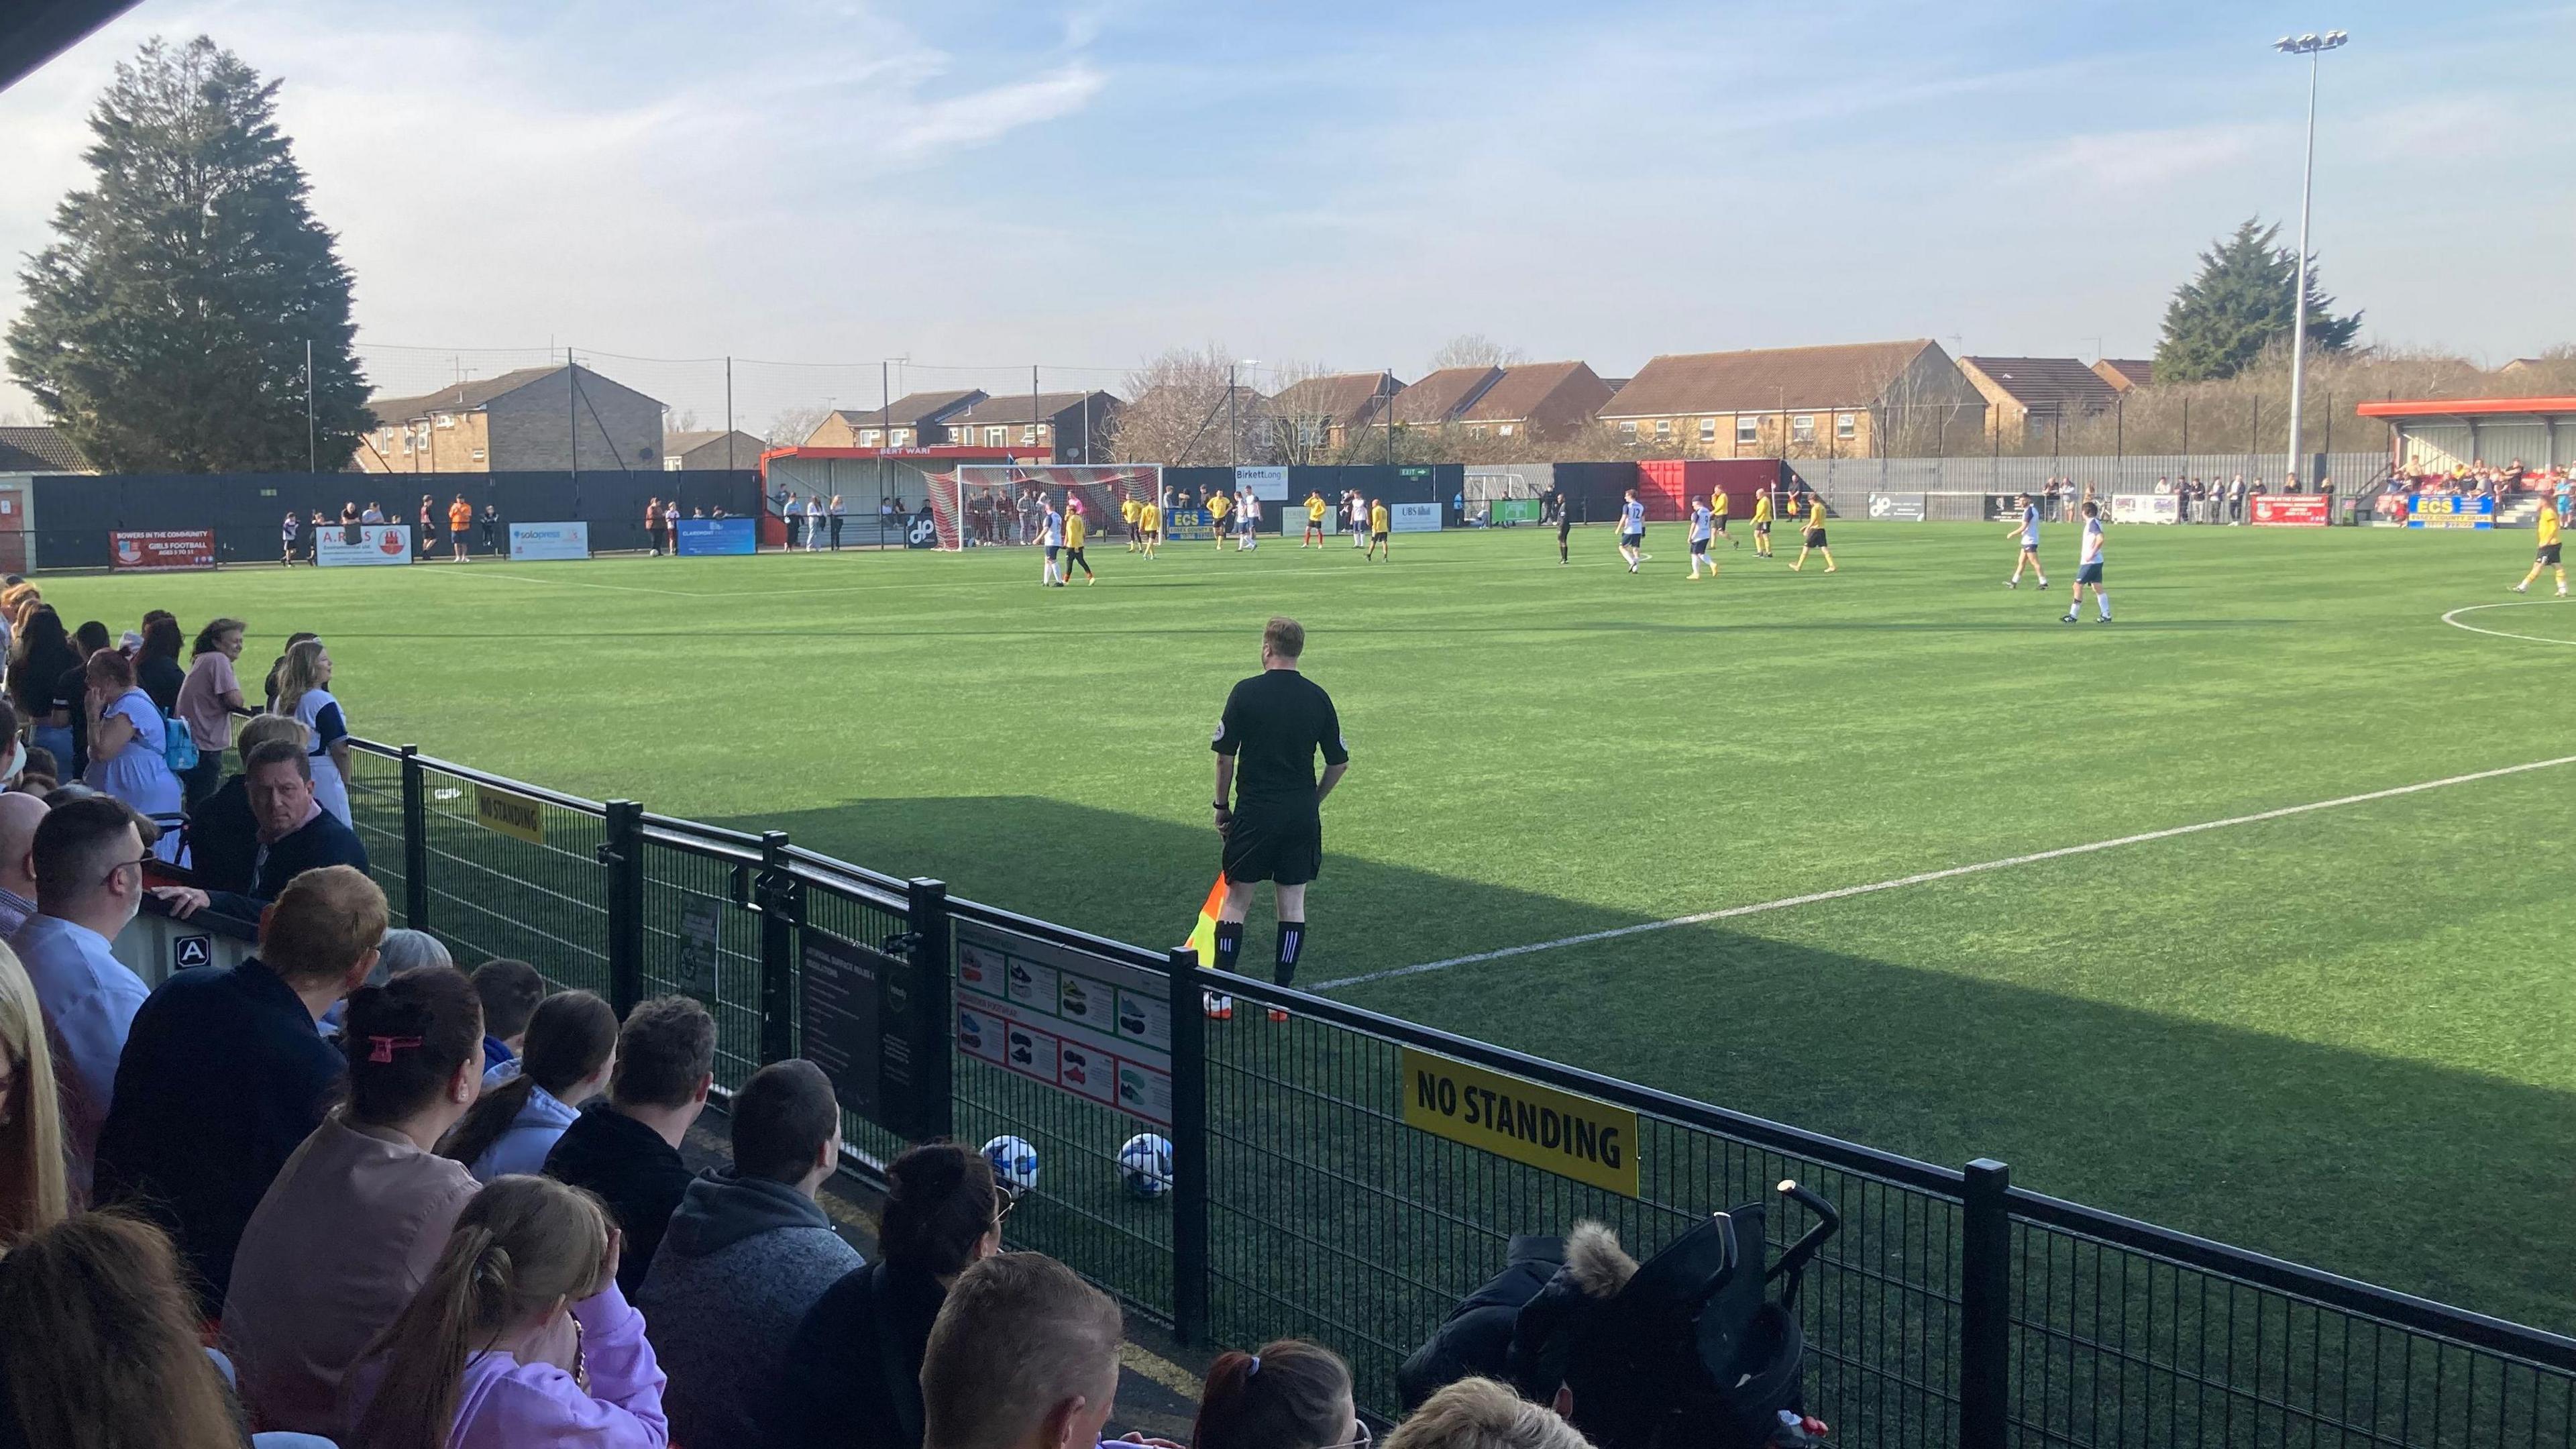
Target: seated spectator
1290,1395
291,834
89,882
853,1374
19,817
405,949
1482,1414
34,1194
127,735
465,1366
510,991
1024,1356
627,1149
42,775
747,1253
224,1075
223,831
572,1048
355,1220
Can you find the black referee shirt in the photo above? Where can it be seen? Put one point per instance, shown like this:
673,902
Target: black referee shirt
1274,723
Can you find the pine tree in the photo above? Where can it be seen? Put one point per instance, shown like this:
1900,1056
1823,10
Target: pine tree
2220,321
165,326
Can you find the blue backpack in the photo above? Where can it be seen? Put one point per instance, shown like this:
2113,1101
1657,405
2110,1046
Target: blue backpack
178,745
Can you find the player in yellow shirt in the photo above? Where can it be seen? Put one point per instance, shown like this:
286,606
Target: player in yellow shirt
1314,521
2549,524
1717,511
1761,524
1814,542
1075,530
1128,508
1149,522
1377,547
1218,505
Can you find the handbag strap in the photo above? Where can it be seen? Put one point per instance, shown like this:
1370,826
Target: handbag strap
903,1389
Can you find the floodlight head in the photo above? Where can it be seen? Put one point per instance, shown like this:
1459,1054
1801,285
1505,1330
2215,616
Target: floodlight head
2286,44
2335,38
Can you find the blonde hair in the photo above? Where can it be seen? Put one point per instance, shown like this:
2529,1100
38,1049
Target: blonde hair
100,1342
522,1246
31,1140
260,729
298,674
1482,1414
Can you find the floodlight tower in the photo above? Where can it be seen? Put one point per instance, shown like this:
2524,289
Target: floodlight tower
2311,45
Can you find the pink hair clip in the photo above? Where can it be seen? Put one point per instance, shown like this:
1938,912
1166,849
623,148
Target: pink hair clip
382,1048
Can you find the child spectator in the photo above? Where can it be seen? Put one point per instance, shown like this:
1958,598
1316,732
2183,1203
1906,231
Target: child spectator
225,1076
747,1254
1290,1395
34,1193
355,1220
465,1366
1024,1356
89,882
627,1149
572,1047
510,991
853,1374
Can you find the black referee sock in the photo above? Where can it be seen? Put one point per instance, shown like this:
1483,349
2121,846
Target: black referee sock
1229,944
1292,939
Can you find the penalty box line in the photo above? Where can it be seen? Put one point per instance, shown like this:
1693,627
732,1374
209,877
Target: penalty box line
1926,877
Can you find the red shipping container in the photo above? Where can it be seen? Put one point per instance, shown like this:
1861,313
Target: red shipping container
1665,485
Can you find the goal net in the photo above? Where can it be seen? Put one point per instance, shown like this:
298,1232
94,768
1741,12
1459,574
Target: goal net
980,504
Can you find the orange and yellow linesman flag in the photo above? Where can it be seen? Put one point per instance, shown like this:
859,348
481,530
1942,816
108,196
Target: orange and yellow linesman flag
1203,935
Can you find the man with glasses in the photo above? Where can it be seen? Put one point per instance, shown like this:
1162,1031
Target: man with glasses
89,881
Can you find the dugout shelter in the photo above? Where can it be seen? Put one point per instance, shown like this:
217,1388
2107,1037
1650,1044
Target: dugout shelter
2433,435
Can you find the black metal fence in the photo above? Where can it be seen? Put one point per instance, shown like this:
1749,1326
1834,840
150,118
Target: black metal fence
1953,1308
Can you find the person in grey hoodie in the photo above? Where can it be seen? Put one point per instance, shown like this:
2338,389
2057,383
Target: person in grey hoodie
747,1253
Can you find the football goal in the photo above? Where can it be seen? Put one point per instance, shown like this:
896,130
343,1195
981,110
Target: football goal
979,504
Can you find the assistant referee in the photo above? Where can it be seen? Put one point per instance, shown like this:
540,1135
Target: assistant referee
1274,724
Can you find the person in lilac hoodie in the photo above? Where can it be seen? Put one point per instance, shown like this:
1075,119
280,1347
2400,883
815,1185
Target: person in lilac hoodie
526,1253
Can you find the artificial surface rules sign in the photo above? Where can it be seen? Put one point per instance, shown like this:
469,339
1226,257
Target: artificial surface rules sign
1589,1141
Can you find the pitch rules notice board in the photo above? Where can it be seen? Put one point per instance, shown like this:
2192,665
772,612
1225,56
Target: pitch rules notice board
869,1026
1080,1023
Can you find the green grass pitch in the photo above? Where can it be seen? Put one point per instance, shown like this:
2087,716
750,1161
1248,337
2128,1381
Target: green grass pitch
2342,1035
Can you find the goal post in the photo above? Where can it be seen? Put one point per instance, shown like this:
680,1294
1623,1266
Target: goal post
977,504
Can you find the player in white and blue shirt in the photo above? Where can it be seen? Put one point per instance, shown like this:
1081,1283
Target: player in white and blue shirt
1051,535
2088,566
1702,528
1632,531
1247,521
2028,528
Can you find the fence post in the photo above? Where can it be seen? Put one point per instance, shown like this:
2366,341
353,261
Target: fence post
1985,1303
623,853
926,913
1189,1152
776,893
415,818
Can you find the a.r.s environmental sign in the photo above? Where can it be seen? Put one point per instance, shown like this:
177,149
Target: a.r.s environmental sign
1589,1141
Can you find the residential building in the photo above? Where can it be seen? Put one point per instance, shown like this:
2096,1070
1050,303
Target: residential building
1322,414
1065,427
41,449
2124,373
1537,400
1437,399
694,452
1849,401
914,420
2027,396
534,420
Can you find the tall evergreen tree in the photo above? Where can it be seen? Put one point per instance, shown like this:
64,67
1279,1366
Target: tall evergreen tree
165,326
2220,321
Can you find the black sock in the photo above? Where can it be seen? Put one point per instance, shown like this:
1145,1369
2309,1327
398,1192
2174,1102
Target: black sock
1229,944
1292,939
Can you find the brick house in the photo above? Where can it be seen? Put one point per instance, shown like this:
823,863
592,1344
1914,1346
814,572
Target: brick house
1068,427
1537,400
2027,396
1437,398
692,452
41,449
1322,414
2124,373
1846,401
534,420
914,420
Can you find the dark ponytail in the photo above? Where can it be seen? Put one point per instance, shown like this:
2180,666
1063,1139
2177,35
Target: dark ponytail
570,1036
406,1039
940,1202
1291,1395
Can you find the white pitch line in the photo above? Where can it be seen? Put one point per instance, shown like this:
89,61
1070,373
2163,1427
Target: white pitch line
1925,877
2453,619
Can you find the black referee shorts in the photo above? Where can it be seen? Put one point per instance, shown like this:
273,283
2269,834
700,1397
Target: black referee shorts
1282,846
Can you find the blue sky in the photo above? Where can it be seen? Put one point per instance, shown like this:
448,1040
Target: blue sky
1351,184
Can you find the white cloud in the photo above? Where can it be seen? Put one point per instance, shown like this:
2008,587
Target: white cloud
2128,161
926,129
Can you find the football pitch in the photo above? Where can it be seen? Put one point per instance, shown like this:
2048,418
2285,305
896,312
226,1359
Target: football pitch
2220,967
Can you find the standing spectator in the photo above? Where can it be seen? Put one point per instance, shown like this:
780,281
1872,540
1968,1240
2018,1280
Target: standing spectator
373,514
71,695
290,833
277,668
225,1072
1290,1395
653,523
572,1048
39,657
627,1148
35,1193
814,524
1024,1354
853,1375
20,814
428,540
2236,500
510,991
350,522
286,538
787,514
671,525
127,737
491,528
1482,1414
351,1227
303,692
747,1254
156,664
208,699
460,524
462,1368
89,881
836,523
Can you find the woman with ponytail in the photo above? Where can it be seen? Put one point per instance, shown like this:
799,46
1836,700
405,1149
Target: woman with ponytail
571,1049
468,1365
1291,1395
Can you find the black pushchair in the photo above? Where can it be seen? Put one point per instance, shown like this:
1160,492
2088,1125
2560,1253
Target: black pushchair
1694,1353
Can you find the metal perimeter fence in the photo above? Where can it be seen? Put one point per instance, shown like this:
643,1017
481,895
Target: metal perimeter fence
1953,1308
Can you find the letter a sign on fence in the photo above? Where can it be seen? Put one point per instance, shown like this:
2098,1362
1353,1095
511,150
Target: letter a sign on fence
1577,1137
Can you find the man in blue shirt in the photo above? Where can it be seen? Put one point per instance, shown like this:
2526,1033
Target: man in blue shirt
2029,530
89,883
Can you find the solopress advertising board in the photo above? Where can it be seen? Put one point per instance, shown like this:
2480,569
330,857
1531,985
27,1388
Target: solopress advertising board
549,540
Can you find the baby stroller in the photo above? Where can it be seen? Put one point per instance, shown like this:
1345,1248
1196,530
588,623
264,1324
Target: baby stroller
1693,1353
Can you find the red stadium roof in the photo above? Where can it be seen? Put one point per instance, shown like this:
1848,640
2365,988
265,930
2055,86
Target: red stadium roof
2464,407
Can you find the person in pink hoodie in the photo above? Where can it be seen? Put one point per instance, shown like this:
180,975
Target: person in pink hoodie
468,1364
